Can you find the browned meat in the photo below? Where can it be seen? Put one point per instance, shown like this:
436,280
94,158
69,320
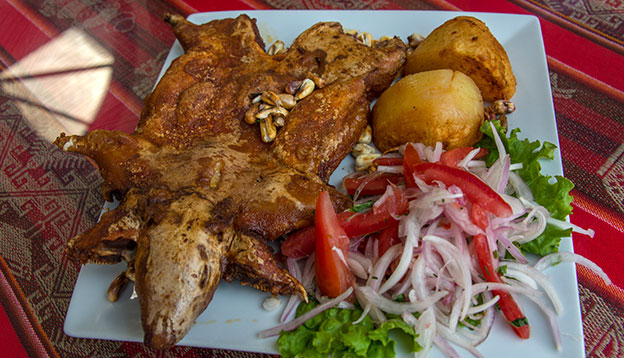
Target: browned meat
200,190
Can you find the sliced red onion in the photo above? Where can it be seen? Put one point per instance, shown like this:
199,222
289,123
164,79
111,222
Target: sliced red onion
517,208
513,249
380,267
307,279
364,261
475,164
460,341
293,268
489,286
368,249
292,303
358,270
437,152
418,277
274,331
553,259
403,286
463,163
480,333
541,279
513,275
551,319
499,143
566,225
389,306
376,314
445,347
368,179
426,327
394,169
520,187
530,227
354,243
401,268
497,175
504,178
397,154
461,200
428,151
375,250
461,218
341,256
387,195
484,306
461,274
421,149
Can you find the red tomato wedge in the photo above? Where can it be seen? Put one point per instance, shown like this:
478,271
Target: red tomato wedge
393,203
475,189
410,158
389,161
388,238
454,156
301,243
376,186
510,308
333,277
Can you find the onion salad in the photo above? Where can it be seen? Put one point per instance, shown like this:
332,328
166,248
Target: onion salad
458,249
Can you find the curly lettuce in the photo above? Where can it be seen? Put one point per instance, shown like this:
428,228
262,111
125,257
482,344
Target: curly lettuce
333,332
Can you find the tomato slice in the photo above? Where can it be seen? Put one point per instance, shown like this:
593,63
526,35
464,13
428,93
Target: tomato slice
510,308
301,243
333,277
410,158
376,186
454,156
388,238
479,216
475,189
392,204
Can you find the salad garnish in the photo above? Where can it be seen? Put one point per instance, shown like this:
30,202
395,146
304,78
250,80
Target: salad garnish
436,240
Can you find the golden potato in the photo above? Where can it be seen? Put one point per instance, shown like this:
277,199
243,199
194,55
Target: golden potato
434,106
465,44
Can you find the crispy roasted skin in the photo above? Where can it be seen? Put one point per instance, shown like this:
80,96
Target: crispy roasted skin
200,191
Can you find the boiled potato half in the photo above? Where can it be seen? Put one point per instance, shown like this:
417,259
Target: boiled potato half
434,106
466,44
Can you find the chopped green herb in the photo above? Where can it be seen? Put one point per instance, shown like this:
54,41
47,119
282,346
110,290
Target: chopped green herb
400,298
519,322
502,269
362,207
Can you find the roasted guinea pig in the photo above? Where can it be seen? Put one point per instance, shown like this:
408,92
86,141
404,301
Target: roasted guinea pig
199,188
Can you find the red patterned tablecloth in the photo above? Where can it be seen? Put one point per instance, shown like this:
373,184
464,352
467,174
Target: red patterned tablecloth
45,197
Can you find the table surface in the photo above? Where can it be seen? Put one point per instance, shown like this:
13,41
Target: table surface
75,66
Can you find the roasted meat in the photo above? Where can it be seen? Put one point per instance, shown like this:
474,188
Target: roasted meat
200,190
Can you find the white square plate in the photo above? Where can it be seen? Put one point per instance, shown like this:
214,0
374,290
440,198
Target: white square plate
235,315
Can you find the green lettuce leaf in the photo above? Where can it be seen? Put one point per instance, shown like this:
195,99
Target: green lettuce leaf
333,333
553,193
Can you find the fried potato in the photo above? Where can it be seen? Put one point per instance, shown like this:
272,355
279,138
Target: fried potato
465,44
434,106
